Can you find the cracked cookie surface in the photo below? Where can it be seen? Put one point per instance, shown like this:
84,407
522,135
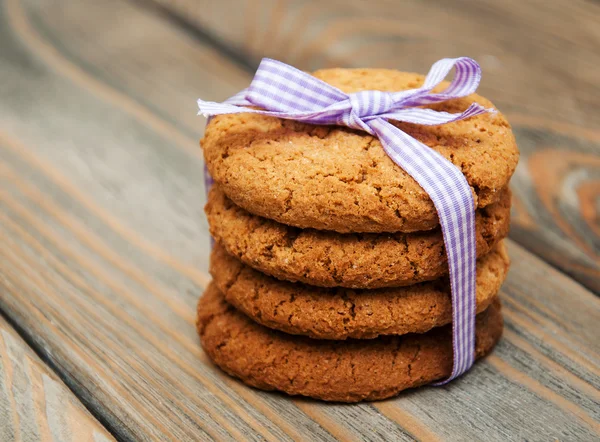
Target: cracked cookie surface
340,179
330,259
345,371
338,313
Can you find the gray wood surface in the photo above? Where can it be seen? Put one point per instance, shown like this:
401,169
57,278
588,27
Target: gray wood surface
34,403
103,252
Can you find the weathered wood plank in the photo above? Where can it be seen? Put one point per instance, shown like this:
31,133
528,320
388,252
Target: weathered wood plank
540,67
35,405
100,206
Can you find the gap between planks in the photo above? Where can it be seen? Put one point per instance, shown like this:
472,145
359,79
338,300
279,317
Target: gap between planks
47,408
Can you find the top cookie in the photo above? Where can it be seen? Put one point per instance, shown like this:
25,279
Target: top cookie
336,178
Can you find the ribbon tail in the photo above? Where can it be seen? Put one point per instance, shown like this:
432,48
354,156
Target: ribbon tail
451,194
284,88
329,115
465,82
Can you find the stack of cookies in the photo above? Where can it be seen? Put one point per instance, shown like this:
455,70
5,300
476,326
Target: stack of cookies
330,276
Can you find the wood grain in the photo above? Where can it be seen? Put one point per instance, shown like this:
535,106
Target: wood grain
104,251
540,64
35,405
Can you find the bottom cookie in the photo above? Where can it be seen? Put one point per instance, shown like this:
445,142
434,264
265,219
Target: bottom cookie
344,371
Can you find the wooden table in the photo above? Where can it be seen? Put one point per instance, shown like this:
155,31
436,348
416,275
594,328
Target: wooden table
103,242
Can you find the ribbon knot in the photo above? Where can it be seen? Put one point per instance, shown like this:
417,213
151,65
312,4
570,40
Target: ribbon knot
364,106
283,91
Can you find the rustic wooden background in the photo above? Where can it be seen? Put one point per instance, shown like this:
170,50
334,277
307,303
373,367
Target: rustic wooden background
103,243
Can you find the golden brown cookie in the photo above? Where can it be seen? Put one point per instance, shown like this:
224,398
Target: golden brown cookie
345,371
330,259
336,178
337,313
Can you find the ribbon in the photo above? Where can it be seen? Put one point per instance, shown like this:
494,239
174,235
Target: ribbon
283,91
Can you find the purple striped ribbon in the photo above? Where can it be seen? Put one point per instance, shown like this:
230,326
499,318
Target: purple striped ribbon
283,91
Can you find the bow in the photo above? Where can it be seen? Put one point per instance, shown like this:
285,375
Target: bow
283,91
